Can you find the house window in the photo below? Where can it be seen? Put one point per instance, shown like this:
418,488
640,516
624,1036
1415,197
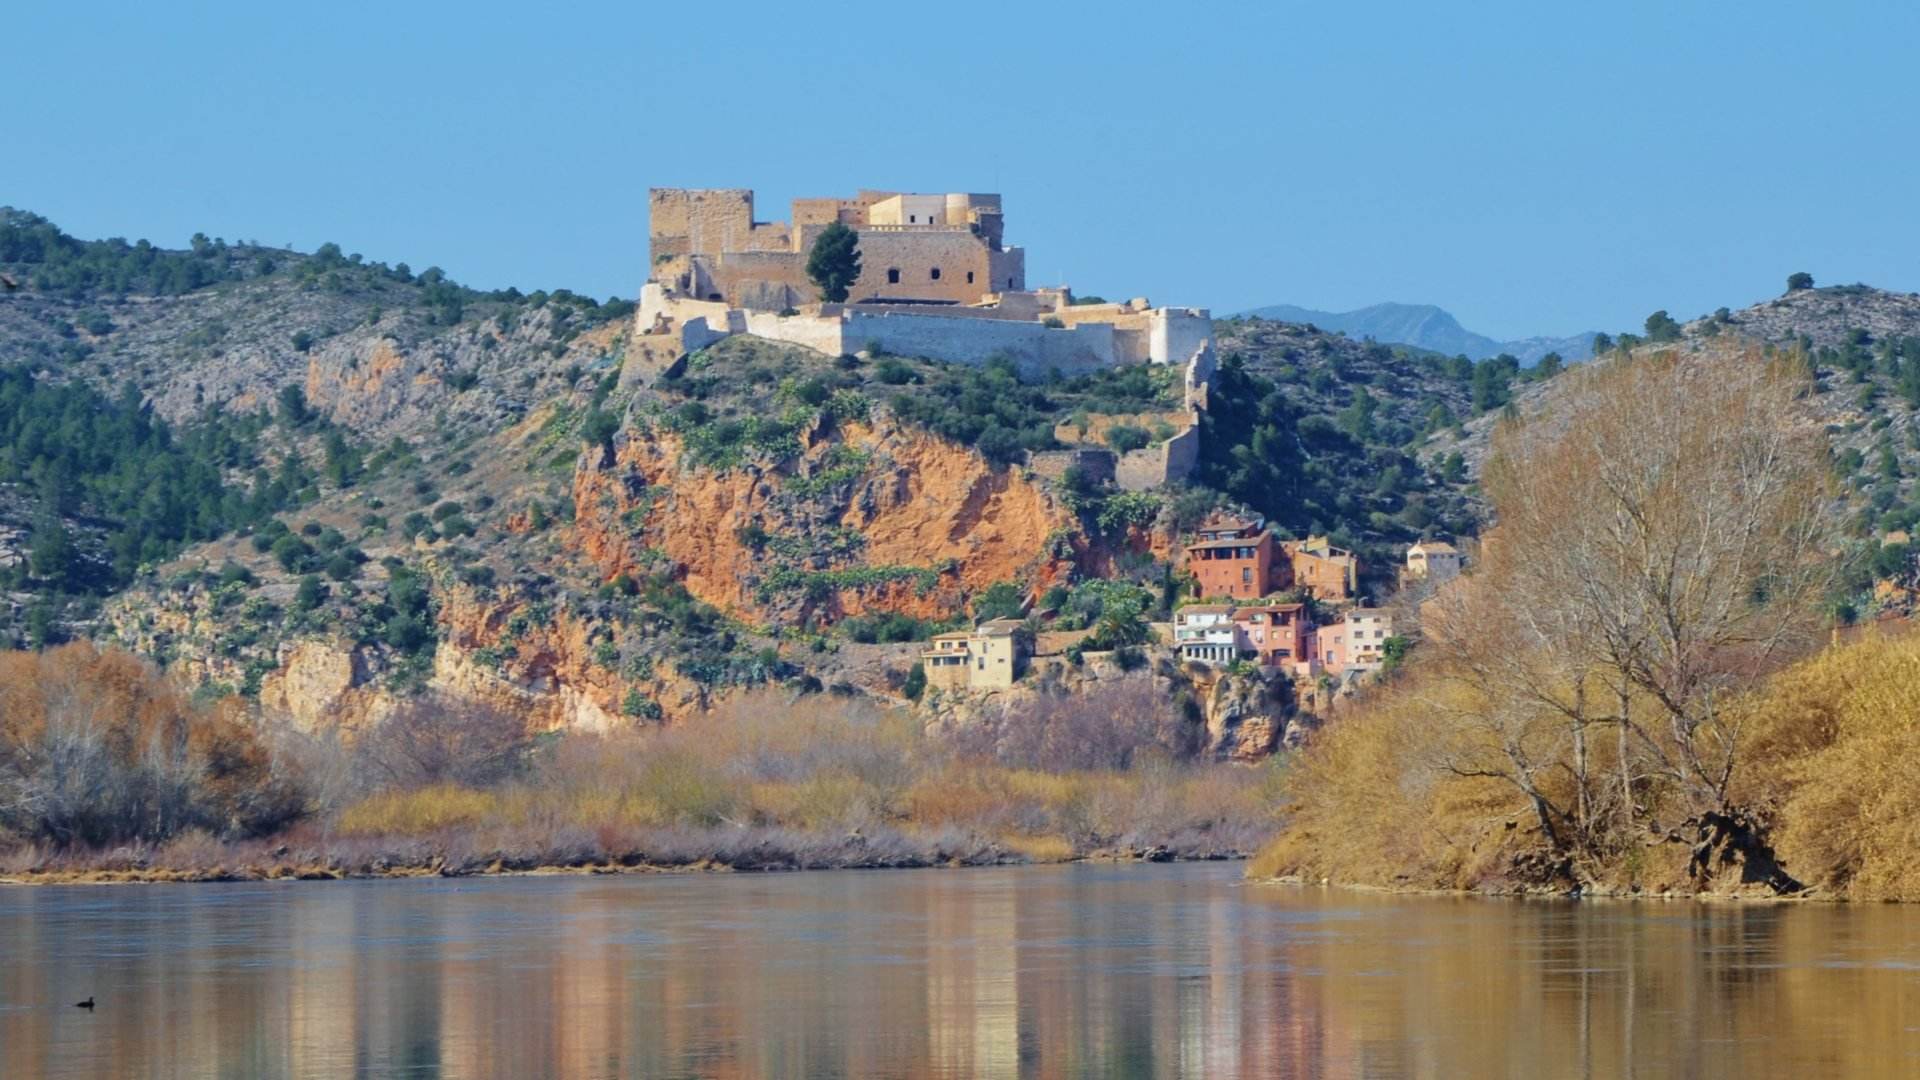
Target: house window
936,273
1246,575
893,275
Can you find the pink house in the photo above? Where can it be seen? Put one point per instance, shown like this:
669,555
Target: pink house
1357,641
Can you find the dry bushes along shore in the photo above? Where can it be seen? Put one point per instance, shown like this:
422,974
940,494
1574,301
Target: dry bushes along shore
1625,695
177,791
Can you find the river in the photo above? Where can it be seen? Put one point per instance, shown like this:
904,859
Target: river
1167,970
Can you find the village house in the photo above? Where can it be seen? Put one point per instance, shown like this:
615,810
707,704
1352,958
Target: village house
1279,635
1431,560
1207,634
1357,642
1237,558
992,656
1232,557
1325,572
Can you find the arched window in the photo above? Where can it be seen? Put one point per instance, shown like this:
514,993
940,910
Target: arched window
893,275
936,273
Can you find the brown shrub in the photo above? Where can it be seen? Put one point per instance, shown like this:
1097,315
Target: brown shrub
96,748
1110,725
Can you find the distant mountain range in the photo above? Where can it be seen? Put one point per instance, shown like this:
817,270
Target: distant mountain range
1427,327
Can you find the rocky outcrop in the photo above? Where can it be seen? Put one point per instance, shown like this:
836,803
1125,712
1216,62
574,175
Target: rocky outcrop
324,684
1212,713
1245,715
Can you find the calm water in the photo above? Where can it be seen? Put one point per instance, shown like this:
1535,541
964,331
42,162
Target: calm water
1056,971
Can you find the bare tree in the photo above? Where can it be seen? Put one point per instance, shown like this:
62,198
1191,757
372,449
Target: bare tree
1662,536
433,739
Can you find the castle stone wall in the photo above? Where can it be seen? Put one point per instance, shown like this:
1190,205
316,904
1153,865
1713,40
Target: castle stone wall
1178,334
960,257
822,335
1034,348
708,221
1096,465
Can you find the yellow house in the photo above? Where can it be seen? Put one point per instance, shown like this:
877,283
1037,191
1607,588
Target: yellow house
990,657
946,661
1432,560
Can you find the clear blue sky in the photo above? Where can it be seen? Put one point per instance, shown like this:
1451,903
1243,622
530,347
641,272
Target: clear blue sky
1535,168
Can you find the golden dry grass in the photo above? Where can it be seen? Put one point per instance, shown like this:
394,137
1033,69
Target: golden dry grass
1828,756
826,767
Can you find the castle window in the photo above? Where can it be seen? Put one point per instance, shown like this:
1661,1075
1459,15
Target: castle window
1009,283
969,277
936,273
913,219
893,275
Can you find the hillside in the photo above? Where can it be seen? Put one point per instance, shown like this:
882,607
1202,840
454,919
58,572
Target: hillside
329,484
1862,347
1424,326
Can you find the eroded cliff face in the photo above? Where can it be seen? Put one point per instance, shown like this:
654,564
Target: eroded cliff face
871,517
557,666
1226,717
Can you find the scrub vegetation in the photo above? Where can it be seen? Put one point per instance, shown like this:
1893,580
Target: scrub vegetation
105,772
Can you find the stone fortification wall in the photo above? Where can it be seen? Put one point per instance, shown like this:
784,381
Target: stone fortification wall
708,221
1179,334
1156,466
762,280
825,335
1035,349
1095,465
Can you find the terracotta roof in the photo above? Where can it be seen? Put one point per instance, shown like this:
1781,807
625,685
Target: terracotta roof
1218,520
1249,609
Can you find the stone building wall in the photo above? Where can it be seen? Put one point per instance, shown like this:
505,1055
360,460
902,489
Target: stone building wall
709,221
966,272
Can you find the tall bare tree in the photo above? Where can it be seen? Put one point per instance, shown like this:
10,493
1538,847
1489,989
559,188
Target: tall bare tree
1662,535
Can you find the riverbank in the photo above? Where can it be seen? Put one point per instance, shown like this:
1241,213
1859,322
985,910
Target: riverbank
709,851
1415,789
1513,891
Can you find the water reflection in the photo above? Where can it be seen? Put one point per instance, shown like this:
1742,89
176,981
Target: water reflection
1049,972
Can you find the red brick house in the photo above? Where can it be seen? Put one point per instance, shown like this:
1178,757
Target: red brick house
1232,557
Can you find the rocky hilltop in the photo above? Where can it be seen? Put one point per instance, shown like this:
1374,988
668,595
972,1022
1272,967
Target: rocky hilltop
424,488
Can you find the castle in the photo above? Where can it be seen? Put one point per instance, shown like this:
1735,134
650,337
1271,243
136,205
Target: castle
914,249
936,280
